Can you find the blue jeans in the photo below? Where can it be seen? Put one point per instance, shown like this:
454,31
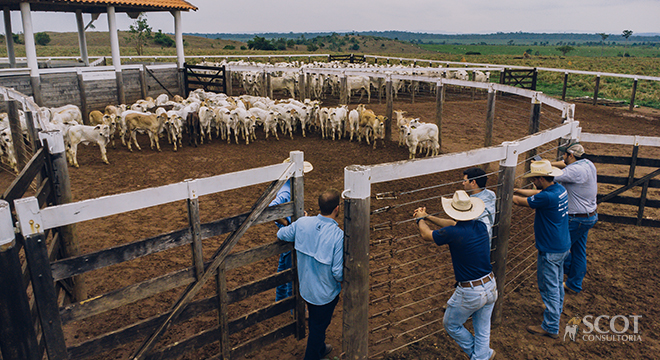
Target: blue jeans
550,275
319,319
477,302
285,290
575,265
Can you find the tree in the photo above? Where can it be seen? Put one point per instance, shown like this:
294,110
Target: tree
626,34
565,49
139,32
41,38
163,39
603,36
16,38
260,43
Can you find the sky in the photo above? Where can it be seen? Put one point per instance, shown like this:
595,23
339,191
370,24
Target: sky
432,16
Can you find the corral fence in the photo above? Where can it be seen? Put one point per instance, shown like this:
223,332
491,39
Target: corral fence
523,78
34,223
213,79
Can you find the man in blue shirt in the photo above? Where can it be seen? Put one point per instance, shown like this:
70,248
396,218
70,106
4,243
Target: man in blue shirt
476,290
552,240
319,245
284,196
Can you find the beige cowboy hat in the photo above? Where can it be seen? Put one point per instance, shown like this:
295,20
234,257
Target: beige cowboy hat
463,207
307,166
542,168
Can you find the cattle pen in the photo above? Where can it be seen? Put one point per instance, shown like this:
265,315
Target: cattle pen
382,309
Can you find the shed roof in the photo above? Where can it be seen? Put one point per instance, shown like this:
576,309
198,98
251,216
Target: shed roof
100,6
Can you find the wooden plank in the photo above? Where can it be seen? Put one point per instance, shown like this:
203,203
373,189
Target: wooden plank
627,187
633,201
269,338
223,311
209,336
43,193
258,286
618,180
78,265
24,179
44,293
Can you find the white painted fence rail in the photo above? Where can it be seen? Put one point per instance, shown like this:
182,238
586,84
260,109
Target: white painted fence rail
33,220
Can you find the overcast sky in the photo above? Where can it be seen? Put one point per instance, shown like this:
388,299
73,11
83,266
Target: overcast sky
433,16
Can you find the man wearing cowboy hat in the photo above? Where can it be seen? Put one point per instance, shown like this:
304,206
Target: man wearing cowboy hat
580,180
476,290
552,240
284,196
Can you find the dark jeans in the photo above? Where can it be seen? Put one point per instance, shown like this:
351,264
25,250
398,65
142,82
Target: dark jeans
319,320
575,265
284,291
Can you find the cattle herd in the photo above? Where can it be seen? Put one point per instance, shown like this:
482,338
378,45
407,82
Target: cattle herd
206,115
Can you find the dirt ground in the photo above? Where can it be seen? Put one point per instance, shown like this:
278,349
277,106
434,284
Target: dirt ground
622,259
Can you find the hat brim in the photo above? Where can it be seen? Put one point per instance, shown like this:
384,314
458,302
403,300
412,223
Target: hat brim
477,209
555,172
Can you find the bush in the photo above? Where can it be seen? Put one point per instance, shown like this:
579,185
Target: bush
17,39
472,53
243,47
41,38
229,47
163,39
355,47
312,47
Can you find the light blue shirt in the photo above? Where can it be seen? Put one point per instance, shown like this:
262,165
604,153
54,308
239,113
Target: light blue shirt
319,244
488,216
581,183
283,196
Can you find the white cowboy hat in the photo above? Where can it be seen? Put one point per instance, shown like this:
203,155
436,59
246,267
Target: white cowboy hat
542,168
307,166
463,207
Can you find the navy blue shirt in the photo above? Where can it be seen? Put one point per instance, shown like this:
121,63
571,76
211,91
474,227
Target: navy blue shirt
468,244
551,219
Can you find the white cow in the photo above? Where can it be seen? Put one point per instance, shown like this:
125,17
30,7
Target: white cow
419,133
99,135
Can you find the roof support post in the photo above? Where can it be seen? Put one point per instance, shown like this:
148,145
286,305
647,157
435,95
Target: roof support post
178,38
9,38
31,52
82,39
114,47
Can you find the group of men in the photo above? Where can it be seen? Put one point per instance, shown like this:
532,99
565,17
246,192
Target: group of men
565,205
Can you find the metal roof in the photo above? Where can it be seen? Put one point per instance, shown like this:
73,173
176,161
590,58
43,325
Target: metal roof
100,6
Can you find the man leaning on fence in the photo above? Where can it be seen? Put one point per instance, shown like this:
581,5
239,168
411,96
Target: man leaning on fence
581,183
550,201
319,245
476,290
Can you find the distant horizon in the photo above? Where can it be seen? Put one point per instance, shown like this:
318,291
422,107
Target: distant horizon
645,34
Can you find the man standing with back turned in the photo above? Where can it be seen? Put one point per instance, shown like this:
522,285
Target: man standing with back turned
476,290
319,245
581,183
552,240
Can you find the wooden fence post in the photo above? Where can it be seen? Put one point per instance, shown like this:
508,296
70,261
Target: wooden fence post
195,228
343,89
17,134
357,204
82,89
269,87
143,81
632,96
596,89
563,89
490,116
18,340
502,226
265,87
534,124
228,84
439,103
301,86
389,103
297,196
62,195
413,85
36,254
121,95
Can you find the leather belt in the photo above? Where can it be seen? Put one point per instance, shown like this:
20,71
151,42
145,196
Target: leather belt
473,283
583,215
